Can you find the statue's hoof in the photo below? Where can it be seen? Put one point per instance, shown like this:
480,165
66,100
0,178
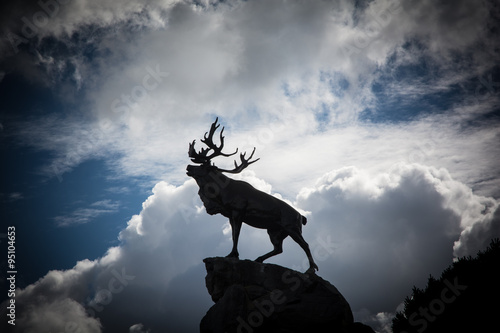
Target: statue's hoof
259,260
312,269
232,255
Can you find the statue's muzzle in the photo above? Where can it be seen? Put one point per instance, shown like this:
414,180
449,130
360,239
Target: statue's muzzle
190,170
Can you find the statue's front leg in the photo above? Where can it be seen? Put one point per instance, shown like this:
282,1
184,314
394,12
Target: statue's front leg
236,228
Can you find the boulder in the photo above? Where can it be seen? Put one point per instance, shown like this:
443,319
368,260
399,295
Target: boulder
256,297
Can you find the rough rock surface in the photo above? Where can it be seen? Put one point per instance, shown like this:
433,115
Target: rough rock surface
255,297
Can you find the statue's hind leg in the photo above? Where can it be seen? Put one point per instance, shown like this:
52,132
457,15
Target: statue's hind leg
277,236
296,236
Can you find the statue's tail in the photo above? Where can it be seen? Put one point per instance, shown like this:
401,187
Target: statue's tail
304,220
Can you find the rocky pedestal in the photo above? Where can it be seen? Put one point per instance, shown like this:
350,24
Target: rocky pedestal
254,297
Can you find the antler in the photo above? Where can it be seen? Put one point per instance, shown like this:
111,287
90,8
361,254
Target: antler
243,165
201,156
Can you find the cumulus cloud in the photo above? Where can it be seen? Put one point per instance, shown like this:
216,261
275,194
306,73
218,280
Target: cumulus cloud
393,225
169,237
373,236
476,237
61,315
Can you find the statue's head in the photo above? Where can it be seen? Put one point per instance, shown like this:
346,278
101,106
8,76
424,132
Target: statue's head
200,171
203,158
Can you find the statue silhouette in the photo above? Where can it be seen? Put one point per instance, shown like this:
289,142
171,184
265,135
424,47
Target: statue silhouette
241,202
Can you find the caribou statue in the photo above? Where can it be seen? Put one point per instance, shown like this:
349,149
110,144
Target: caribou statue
241,202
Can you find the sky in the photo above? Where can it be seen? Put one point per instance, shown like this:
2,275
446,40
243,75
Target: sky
378,120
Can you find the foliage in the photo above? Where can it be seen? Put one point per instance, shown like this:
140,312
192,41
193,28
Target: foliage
464,299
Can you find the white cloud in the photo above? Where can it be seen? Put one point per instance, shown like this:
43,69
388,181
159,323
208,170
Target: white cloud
258,64
291,80
373,236
67,18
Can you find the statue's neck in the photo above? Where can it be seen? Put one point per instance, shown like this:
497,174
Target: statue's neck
215,177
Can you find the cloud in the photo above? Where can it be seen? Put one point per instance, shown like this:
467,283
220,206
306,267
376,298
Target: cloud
392,225
64,315
137,328
11,197
299,82
85,215
280,79
476,237
54,302
168,238
373,236
15,196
